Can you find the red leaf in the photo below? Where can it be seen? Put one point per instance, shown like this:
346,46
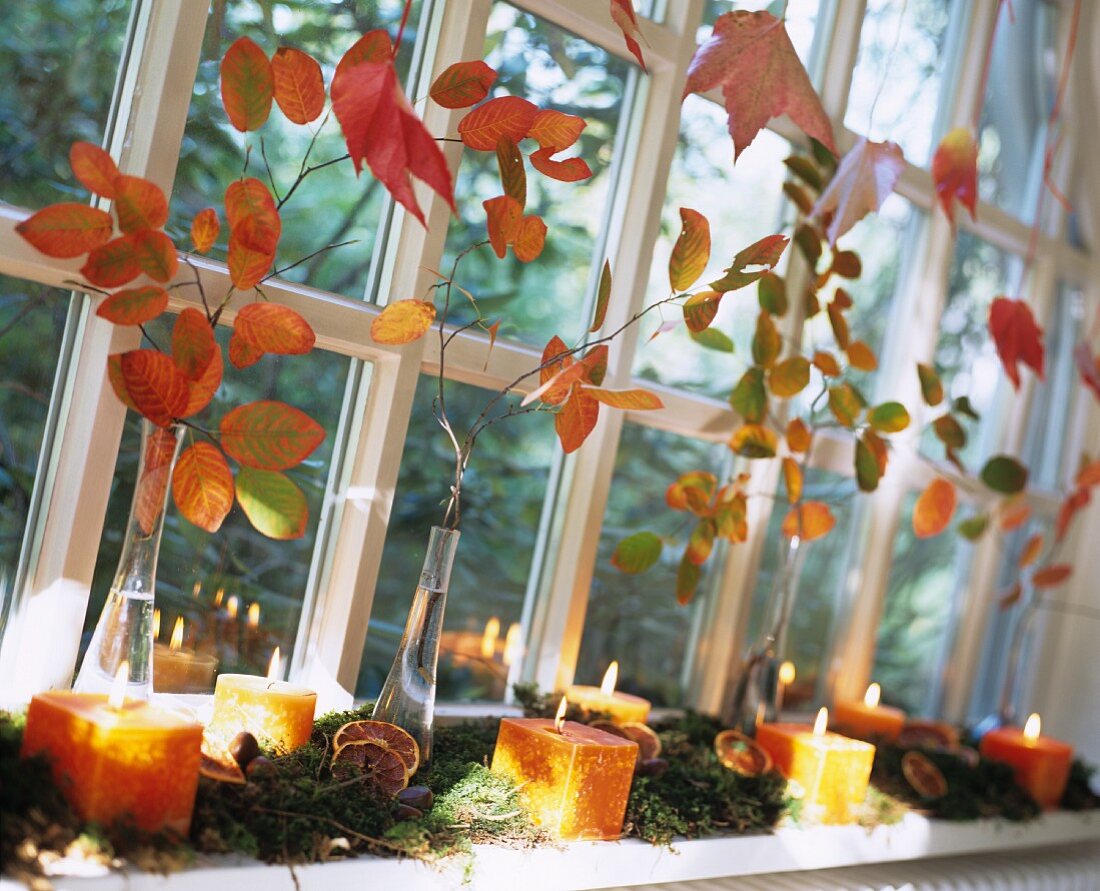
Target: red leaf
274,328
751,57
691,251
112,264
1074,502
203,389
374,46
94,168
934,509
269,435
114,377
253,218
556,129
622,14
152,485
155,254
955,172
530,239
502,216
571,170
865,178
134,306
380,127
193,344
204,229
242,354
67,230
247,85
202,485
1088,366
549,370
403,321
508,116
153,384
463,84
298,85
139,204
1052,576
247,266
576,420
1016,336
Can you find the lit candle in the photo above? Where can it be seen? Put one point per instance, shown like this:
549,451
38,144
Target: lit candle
218,597
253,615
489,638
1041,763
832,770
622,707
232,605
513,644
784,678
113,758
178,671
196,589
278,714
574,779
868,720
156,624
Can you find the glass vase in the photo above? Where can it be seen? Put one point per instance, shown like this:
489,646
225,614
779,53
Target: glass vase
408,695
124,632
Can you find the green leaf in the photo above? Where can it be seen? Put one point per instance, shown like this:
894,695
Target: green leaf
799,196
687,580
749,399
789,377
930,386
806,170
766,342
712,339
949,431
272,503
972,528
772,293
868,471
809,243
963,407
845,404
637,552
889,417
603,297
823,155
1004,474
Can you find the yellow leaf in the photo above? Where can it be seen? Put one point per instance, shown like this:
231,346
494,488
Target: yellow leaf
798,435
754,441
403,322
792,478
860,356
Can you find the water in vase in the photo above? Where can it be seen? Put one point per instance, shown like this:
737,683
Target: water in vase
124,634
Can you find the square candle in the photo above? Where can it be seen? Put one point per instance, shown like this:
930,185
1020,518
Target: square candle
575,781
1041,764
133,761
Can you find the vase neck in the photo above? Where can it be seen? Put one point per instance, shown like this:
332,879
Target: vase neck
784,591
439,559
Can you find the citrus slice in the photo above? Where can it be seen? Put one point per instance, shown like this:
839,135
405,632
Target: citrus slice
927,734
741,753
389,735
923,775
381,764
223,772
609,727
649,743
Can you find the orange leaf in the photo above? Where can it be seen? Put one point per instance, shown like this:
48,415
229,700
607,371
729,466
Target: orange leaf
252,215
622,14
1074,502
202,485
692,491
792,478
861,356
556,130
274,328
529,239
571,170
551,369
752,263
1031,551
701,542
502,215
628,400
94,168
826,363
809,521
139,204
242,354
203,389
1011,597
403,322
1089,474
558,386
575,420
798,435
248,85
1052,576
67,230
298,85
1016,336
955,172
865,178
134,306
114,377
508,116
463,84
155,254
1014,512
152,485
204,229
112,264
513,176
691,251
754,441
247,266
934,509
153,384
700,309
193,344
269,435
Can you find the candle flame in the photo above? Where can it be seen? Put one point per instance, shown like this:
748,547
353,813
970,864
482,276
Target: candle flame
1032,727
822,722
610,678
177,635
559,718
513,644
197,589
786,673
218,595
117,697
275,669
156,624
253,615
761,712
232,605
873,695
489,638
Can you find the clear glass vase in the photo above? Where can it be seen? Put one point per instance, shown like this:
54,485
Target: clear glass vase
124,632
408,695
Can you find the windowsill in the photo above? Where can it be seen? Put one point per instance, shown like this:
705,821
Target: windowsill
590,865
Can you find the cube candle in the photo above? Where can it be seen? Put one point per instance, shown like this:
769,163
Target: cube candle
622,707
278,714
868,720
1041,763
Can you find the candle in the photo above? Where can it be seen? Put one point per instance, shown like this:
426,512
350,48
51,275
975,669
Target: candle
622,707
489,638
832,770
1041,763
784,678
178,671
868,720
513,644
253,615
574,779
115,759
278,714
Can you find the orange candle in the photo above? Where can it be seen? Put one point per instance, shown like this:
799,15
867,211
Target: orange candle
574,779
115,759
868,720
622,707
832,770
1041,763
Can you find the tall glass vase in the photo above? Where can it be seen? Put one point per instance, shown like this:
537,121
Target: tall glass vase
408,695
1010,684
756,696
124,632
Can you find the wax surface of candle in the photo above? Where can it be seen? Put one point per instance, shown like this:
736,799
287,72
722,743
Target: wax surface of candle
1041,765
576,782
868,720
276,713
622,707
137,761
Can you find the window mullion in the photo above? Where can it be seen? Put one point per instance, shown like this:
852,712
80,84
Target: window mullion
840,59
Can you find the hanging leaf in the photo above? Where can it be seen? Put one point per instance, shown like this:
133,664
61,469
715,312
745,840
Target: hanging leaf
153,385
203,389
603,298
766,342
247,266
1031,551
700,310
865,178
949,431
752,263
799,197
1088,367
374,46
1013,513
269,435
576,420
930,386
798,435
274,328
1011,597
868,469
751,57
530,239
1074,502
252,215
754,441
693,491
202,486
242,354
860,356
502,216
845,404
114,378
809,521
463,84
139,204
247,85
687,580
637,552
193,344
298,85
806,170
112,264
94,168
934,508
749,398
509,116
1052,576
555,129
838,323
513,177
847,264
274,505
403,322
134,306
789,377
1016,336
67,230
972,528
792,480
1004,474
826,363
701,542
204,230
155,254
691,251
955,172
571,170
772,294
628,400
622,14
731,517
713,339
889,417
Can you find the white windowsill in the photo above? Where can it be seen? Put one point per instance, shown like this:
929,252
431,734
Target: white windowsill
590,865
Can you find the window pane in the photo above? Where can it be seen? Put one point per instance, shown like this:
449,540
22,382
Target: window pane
635,618
504,488
237,561
801,19
704,178
58,63
332,205
898,73
554,69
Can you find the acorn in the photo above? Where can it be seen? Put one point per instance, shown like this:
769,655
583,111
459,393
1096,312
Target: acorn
244,749
260,767
408,812
416,796
652,767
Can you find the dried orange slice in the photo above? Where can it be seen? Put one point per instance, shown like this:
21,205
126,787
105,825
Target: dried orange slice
927,734
741,753
923,775
223,772
649,743
609,727
382,765
391,736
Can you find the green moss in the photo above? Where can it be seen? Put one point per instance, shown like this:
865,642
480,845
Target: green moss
1079,795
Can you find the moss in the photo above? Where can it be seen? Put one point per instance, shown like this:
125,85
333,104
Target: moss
1079,795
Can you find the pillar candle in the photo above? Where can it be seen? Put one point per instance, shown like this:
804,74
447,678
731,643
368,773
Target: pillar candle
176,670
574,779
868,720
622,707
1041,763
832,770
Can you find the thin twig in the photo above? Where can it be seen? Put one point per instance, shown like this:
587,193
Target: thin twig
199,285
149,338
267,165
307,258
303,173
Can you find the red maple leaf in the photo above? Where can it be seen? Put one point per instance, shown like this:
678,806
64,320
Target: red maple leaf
622,14
751,57
955,172
865,178
1088,366
1016,336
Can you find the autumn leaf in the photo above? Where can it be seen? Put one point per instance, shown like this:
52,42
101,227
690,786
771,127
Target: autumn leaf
692,491
112,264
569,170
1017,337
152,384
203,389
930,386
152,485
754,441
509,116
798,435
269,435
1004,474
934,508
700,310
274,328
847,264
826,363
272,503
502,216
403,322
865,178
792,480
94,168
973,528
202,486
752,263
1011,597
637,552
766,341
772,294
530,238
1031,551
298,85
1076,501
204,230
622,14
1088,367
603,298
889,417
789,377
462,84
629,400
513,177
247,85
845,405
67,230
193,344
949,431
155,254
691,251
134,306
955,172
1012,513
247,266
575,420
687,580
731,515
1052,576
868,468
861,356
242,354
139,204
555,129
749,398
252,215
809,521
751,57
